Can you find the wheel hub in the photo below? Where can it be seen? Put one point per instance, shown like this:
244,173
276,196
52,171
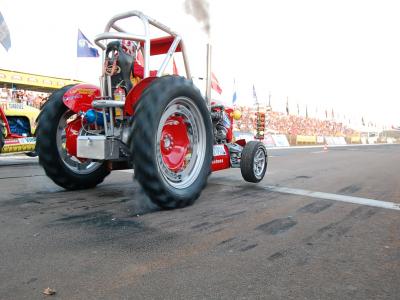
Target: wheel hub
167,142
259,163
174,143
66,135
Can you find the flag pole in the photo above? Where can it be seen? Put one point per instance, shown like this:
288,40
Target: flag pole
76,54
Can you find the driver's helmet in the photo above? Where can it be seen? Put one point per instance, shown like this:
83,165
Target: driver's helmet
129,47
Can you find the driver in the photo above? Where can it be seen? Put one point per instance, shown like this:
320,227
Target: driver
137,72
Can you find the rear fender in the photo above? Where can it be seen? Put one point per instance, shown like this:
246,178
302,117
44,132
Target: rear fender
79,97
132,99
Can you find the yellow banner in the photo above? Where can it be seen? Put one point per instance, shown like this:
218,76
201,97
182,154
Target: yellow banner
309,139
34,80
18,148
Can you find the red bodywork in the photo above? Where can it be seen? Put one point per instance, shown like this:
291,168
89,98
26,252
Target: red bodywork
134,95
229,135
79,99
72,132
221,159
161,45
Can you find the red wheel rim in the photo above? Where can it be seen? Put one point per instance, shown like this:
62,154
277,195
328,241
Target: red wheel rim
181,143
174,143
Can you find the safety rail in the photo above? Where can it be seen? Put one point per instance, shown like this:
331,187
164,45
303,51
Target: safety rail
145,39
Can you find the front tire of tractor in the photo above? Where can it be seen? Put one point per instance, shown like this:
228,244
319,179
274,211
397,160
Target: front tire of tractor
171,142
253,162
65,170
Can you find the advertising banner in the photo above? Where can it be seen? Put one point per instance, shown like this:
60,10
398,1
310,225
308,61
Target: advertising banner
280,140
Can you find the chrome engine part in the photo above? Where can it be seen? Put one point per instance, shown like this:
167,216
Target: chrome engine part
235,153
221,123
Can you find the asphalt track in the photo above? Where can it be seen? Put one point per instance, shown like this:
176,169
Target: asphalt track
289,237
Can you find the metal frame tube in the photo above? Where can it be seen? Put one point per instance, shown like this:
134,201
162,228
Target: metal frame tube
110,110
208,81
185,61
120,34
117,35
109,88
169,54
105,122
146,20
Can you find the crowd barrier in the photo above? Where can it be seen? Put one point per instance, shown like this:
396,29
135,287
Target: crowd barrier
244,136
335,140
280,140
306,139
276,140
269,141
355,140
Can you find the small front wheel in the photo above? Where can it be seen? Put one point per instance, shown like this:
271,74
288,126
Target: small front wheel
254,160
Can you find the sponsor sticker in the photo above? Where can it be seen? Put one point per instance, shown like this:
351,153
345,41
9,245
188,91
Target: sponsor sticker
27,140
14,105
219,150
217,161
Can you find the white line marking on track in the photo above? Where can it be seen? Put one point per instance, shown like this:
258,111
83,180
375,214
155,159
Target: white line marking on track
130,171
335,197
319,151
9,157
329,146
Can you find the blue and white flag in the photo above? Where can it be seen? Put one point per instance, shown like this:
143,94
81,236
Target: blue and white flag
234,97
5,38
84,47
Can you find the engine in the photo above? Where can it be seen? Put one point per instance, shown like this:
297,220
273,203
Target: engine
221,124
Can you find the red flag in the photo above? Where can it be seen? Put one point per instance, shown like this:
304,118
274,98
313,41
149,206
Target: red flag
174,68
215,84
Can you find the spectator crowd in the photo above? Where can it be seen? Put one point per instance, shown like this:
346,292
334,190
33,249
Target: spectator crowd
31,98
277,122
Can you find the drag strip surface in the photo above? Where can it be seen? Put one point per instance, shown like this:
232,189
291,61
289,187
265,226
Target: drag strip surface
239,240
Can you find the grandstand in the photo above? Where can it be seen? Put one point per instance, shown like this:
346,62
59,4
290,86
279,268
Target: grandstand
301,130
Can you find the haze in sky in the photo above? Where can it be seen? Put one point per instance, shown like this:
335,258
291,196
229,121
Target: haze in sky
319,54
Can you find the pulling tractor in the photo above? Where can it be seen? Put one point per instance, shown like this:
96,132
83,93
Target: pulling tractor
17,128
158,124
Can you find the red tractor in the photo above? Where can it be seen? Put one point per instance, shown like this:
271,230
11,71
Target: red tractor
158,124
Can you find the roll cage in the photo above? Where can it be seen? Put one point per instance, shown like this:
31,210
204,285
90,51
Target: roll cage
168,44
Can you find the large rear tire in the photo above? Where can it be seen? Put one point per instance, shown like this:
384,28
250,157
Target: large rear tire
171,142
253,162
65,170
